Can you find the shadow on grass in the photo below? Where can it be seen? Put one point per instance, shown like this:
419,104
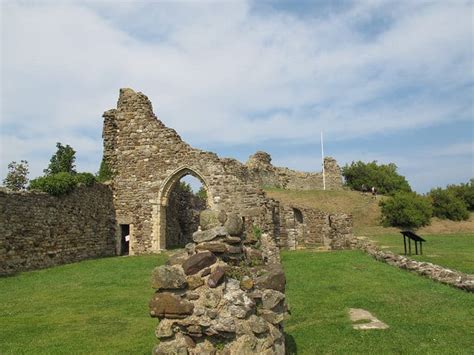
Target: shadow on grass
290,344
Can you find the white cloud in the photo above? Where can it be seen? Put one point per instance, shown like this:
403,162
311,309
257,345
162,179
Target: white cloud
213,70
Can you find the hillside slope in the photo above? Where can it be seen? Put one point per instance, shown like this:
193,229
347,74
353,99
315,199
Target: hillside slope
364,208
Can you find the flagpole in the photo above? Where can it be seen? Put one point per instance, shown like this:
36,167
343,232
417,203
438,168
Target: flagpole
322,159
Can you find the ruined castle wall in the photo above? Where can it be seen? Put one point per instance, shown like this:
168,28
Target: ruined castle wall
147,158
268,175
316,229
39,230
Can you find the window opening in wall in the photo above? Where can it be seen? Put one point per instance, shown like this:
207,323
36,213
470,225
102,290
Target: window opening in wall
298,215
187,199
124,239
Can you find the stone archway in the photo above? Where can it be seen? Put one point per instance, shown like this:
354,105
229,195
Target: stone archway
160,207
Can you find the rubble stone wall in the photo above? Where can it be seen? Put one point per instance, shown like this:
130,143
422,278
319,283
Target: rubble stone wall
435,272
148,159
39,230
221,295
318,229
270,176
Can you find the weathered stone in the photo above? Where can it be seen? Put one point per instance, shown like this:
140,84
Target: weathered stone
209,219
234,224
224,324
177,258
273,278
210,298
194,330
209,234
246,283
206,271
203,348
257,324
198,261
254,255
271,298
164,328
270,316
169,305
232,240
215,247
222,217
238,303
168,277
194,281
192,296
215,277
245,345
232,249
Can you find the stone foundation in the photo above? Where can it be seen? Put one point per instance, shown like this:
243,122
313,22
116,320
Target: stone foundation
221,295
435,272
39,230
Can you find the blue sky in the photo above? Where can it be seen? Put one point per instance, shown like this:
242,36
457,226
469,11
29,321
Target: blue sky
390,81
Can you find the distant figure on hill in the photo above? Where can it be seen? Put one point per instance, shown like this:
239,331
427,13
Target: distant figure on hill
374,192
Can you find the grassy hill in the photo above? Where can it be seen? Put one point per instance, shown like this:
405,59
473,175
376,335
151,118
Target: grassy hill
365,211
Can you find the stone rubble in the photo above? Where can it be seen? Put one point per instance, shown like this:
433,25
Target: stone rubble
217,303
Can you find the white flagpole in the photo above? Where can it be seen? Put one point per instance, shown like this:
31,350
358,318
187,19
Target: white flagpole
322,158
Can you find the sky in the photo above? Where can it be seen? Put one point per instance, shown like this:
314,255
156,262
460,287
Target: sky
390,81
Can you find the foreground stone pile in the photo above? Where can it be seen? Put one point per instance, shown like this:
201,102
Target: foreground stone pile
435,272
219,296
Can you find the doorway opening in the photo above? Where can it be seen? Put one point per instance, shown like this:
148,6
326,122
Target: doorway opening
187,198
124,239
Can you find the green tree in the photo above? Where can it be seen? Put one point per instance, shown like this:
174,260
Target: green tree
105,173
202,194
62,161
362,176
55,184
447,205
464,192
17,177
407,210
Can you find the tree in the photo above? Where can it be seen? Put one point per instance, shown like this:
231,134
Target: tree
105,173
384,177
464,192
446,205
202,194
17,176
407,210
62,161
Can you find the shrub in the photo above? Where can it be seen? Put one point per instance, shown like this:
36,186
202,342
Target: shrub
407,210
17,176
105,173
56,184
362,176
62,161
464,192
447,205
87,179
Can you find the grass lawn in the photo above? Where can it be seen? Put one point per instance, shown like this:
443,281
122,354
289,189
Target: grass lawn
424,317
95,306
450,250
100,306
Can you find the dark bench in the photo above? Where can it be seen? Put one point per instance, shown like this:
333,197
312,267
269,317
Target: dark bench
416,238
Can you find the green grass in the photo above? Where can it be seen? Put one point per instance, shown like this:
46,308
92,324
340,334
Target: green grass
95,306
100,307
450,250
425,317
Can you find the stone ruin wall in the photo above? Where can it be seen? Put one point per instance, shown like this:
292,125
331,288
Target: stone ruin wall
39,230
220,295
268,175
316,229
148,159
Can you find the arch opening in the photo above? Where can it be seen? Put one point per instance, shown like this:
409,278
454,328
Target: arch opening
184,196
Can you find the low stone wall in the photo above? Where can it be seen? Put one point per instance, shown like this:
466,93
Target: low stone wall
434,272
39,230
221,295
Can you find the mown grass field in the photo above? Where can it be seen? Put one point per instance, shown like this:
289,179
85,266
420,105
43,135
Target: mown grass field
100,307
450,250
